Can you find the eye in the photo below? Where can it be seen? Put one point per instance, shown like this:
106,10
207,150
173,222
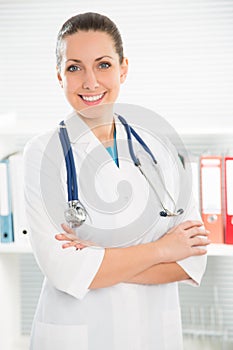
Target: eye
73,68
104,65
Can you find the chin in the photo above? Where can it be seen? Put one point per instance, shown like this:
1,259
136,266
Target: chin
98,111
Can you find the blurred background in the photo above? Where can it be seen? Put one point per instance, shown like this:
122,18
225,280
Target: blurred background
180,66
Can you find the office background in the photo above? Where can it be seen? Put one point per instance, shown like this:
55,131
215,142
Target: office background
180,66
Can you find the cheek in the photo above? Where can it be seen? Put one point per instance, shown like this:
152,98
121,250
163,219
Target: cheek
114,81
70,84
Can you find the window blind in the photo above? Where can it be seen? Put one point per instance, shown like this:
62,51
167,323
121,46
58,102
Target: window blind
180,54
207,311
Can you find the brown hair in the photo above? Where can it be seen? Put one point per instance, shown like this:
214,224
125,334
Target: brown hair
85,22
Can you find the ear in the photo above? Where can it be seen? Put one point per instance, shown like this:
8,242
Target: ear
59,77
124,69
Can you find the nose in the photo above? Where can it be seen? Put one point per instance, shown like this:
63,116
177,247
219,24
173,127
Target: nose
90,81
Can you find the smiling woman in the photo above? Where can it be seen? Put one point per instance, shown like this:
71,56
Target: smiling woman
90,71
90,61
106,296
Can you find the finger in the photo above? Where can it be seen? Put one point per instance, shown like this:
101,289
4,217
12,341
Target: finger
186,225
200,241
66,237
68,245
191,223
199,251
197,231
80,246
76,240
73,244
62,237
70,235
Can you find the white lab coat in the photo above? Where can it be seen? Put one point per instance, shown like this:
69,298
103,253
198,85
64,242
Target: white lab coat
124,316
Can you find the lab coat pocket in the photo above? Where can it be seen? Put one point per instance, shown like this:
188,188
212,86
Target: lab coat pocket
60,337
172,334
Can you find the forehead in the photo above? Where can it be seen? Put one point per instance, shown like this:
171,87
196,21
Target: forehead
89,44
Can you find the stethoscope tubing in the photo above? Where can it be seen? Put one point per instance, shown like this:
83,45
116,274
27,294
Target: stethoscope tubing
72,183
129,138
72,187
129,131
165,212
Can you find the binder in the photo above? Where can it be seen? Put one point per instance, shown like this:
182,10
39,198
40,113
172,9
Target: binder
228,177
211,168
20,223
6,222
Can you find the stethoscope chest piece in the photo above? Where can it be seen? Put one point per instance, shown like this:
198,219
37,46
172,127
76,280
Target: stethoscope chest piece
75,214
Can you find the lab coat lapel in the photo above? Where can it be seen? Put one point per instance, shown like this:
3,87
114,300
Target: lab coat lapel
122,149
98,154
86,144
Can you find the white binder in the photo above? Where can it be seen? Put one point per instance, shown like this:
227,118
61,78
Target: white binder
211,196
6,229
20,224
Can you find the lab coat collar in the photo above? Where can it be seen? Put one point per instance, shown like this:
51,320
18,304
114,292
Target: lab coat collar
76,127
80,134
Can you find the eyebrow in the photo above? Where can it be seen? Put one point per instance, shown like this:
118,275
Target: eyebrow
96,60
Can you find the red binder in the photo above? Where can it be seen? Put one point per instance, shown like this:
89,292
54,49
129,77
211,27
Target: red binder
228,167
211,196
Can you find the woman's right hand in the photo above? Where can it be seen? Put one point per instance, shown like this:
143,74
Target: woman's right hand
182,241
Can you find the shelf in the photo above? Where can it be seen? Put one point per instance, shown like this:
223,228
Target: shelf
14,248
213,249
27,127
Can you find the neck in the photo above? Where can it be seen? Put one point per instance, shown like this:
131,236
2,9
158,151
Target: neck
101,122
105,133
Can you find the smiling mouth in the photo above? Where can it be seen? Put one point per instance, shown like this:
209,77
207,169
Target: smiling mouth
92,98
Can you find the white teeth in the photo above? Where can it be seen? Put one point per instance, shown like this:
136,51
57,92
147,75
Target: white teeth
92,98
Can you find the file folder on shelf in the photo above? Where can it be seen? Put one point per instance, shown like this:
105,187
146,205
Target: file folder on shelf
228,172
211,196
6,224
20,224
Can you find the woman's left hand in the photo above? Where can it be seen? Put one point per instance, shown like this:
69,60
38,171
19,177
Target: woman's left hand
71,238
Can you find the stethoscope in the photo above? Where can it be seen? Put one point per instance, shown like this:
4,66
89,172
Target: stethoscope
76,213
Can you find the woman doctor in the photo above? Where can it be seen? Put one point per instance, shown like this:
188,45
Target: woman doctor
100,295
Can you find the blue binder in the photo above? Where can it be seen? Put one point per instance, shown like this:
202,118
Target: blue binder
6,217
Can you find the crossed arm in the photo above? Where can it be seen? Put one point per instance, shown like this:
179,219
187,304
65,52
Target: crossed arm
150,263
160,273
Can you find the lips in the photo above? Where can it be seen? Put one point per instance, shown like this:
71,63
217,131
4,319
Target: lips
92,99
